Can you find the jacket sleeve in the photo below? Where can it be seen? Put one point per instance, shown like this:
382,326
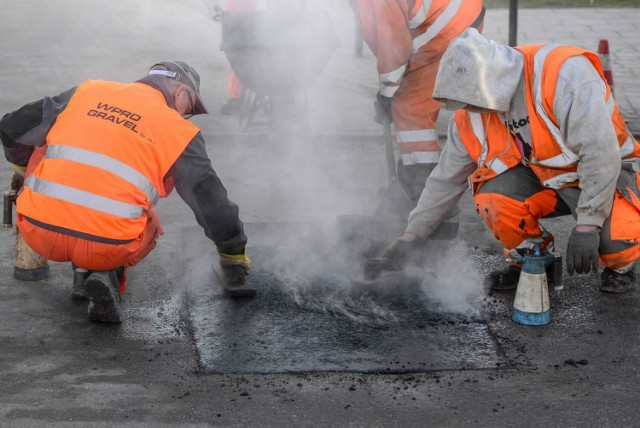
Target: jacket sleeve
22,130
198,185
385,29
444,187
585,123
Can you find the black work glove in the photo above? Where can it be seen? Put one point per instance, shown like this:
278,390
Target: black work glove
582,251
400,253
17,181
383,108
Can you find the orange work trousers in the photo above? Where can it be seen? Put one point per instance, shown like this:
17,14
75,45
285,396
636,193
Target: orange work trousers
91,255
512,204
413,108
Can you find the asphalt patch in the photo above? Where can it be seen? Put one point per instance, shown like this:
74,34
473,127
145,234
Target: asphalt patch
306,317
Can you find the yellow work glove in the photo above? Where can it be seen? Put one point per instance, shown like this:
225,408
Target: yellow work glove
235,267
234,259
18,168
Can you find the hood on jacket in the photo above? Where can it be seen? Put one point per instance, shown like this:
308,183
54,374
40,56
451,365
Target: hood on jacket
479,72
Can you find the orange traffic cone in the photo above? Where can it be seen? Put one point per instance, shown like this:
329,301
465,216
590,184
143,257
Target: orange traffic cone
603,53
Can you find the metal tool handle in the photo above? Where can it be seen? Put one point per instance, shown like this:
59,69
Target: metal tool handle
383,118
7,214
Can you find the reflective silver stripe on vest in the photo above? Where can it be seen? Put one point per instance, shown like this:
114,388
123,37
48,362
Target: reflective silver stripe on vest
437,26
97,160
83,198
567,157
559,181
392,76
481,135
421,15
416,136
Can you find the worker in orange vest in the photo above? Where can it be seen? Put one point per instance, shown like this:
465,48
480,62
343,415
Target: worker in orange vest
536,134
408,38
234,103
97,158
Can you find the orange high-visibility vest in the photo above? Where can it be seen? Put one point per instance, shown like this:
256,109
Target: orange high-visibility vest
552,162
489,143
106,158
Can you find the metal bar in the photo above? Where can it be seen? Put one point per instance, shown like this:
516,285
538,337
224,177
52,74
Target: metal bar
513,22
8,200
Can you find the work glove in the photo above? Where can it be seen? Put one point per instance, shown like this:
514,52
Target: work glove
235,266
383,108
400,253
17,180
582,251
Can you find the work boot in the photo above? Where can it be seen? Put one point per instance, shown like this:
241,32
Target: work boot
412,178
503,280
78,291
102,291
233,106
614,282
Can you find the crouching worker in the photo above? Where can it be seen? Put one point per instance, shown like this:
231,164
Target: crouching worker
97,158
537,134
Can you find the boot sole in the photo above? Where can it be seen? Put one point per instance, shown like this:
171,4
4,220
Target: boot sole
103,304
616,290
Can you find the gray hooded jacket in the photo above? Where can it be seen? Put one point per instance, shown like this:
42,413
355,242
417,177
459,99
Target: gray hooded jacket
478,72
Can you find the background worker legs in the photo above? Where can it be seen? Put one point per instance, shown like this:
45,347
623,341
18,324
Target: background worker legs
414,115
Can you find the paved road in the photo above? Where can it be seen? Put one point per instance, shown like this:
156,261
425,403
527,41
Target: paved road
56,369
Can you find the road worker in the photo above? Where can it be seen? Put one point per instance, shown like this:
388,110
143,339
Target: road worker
97,158
408,38
536,134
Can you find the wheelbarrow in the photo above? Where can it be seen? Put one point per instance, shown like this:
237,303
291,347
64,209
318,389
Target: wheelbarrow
276,56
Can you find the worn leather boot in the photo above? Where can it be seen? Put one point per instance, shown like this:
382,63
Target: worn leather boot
104,300
614,282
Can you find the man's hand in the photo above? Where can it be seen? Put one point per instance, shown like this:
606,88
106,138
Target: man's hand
582,249
383,108
405,249
17,179
235,267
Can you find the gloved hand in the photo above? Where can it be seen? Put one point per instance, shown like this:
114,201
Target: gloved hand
235,266
582,251
401,252
17,180
383,108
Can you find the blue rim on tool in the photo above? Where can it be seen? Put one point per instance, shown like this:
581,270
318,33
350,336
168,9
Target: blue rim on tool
531,318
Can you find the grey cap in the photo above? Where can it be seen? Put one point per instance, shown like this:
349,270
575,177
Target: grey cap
183,73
